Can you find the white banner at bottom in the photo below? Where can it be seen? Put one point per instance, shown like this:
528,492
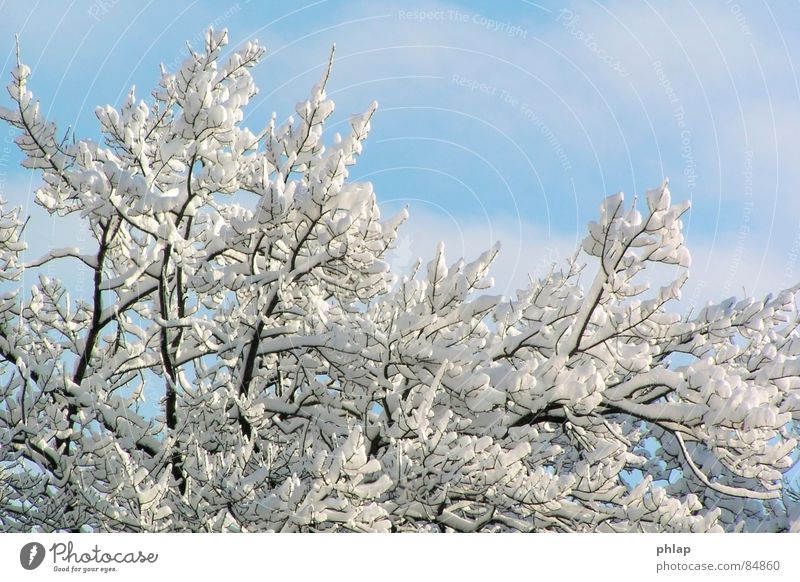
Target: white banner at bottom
414,557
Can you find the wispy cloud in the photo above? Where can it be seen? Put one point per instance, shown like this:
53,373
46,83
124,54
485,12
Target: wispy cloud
530,115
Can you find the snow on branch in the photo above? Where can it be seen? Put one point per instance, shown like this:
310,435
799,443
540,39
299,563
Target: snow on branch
246,361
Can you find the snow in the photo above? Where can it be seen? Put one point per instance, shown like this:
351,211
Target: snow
314,390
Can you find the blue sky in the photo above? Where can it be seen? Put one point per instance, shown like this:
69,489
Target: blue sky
497,121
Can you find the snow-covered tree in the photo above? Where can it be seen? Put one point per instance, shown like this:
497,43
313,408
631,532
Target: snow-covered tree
301,386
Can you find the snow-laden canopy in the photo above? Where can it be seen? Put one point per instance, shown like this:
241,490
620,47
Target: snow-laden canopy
302,386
